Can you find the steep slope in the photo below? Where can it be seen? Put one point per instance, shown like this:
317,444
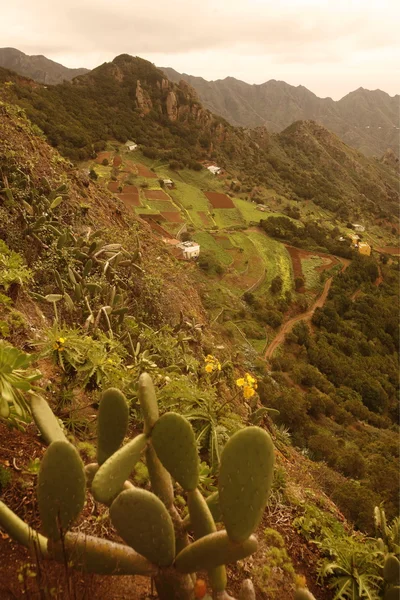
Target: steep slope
51,214
130,98
37,67
366,120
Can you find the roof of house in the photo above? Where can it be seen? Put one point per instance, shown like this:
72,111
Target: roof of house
130,143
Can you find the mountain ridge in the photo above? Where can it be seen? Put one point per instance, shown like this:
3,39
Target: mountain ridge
364,119
37,67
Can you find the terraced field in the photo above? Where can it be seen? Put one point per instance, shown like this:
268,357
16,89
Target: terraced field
276,260
227,217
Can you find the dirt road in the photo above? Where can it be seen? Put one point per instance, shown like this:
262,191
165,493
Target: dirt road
306,316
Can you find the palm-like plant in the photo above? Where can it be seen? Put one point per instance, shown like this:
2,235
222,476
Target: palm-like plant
15,381
355,568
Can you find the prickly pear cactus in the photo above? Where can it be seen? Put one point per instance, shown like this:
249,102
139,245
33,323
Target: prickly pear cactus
157,537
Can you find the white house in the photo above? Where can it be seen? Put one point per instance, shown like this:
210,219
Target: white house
214,169
168,182
190,250
358,227
130,145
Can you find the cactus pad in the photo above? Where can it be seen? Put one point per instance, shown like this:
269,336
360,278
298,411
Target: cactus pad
112,423
148,402
161,483
391,570
142,520
175,444
303,594
110,477
213,550
46,421
392,593
202,524
21,532
245,479
61,488
95,555
200,516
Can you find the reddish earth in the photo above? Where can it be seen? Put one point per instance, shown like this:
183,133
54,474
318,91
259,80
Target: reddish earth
204,217
130,189
156,195
389,250
129,199
172,217
218,200
117,162
101,156
143,171
113,186
295,255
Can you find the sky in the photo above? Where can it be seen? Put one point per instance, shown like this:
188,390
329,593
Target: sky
330,46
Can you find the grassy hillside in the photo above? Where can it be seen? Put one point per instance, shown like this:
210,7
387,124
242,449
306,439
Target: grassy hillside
95,298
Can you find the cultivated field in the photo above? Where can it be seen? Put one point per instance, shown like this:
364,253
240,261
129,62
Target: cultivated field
218,200
156,195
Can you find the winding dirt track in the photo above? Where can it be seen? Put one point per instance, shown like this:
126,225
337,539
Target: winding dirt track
306,316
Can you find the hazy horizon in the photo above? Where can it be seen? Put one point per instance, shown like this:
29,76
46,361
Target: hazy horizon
331,50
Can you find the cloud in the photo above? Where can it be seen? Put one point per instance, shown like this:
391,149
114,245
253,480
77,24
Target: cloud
302,32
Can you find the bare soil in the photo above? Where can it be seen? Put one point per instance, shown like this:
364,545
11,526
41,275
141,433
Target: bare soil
144,171
172,217
130,199
101,156
156,195
218,200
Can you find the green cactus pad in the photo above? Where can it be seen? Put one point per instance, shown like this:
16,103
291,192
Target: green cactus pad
61,488
96,555
46,421
148,402
200,516
303,594
110,477
213,504
144,523
21,532
202,524
391,570
161,483
112,423
213,550
392,593
175,444
245,479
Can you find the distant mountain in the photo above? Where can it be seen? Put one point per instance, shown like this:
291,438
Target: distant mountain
129,98
366,120
39,68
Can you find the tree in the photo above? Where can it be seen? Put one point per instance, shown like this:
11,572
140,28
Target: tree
93,175
276,285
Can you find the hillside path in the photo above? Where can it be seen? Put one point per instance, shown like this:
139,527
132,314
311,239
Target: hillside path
306,316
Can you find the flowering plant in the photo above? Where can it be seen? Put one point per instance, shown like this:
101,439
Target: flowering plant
212,364
249,385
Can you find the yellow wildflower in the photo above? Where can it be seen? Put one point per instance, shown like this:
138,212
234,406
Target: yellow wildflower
240,382
209,368
248,392
61,340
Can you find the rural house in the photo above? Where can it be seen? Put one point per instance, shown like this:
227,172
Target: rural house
214,169
168,183
261,207
190,250
364,248
130,145
358,227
